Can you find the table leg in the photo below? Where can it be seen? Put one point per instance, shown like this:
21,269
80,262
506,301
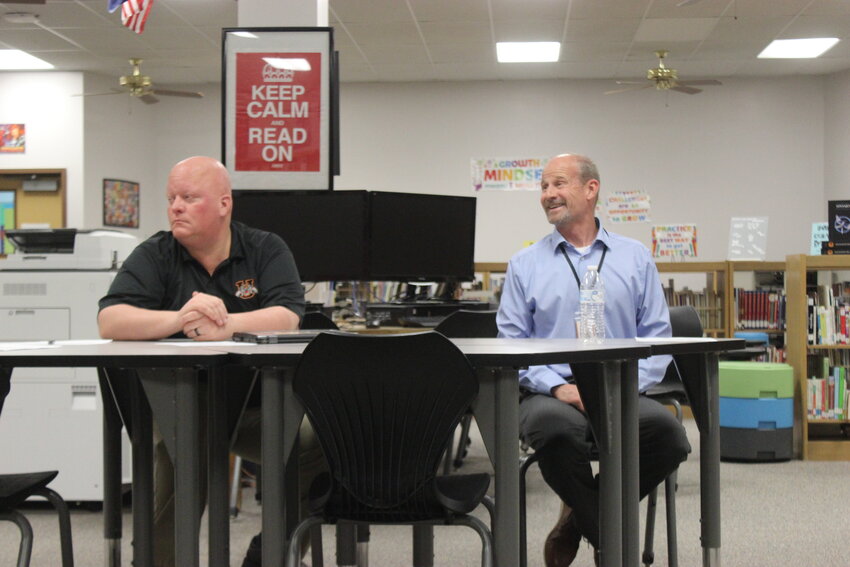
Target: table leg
142,421
631,463
611,467
187,488
710,464
112,528
217,439
506,521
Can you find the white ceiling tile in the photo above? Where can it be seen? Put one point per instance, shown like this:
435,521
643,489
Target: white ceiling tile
370,11
609,9
529,30
513,10
675,29
450,10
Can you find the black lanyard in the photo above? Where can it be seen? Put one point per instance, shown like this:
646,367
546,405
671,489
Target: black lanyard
573,268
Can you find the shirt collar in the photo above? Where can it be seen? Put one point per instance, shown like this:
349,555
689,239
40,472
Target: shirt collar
601,236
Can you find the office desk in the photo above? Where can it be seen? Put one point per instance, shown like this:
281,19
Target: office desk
168,379
496,362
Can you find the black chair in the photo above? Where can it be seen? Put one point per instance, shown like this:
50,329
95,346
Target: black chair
465,324
684,322
317,320
16,488
383,408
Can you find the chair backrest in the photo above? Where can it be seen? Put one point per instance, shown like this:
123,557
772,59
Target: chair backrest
684,322
468,324
5,385
317,320
383,408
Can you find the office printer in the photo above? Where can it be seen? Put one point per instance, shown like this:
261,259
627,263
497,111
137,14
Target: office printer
49,290
68,249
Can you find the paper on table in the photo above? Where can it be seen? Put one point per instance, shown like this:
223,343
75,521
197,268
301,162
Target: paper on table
205,343
675,339
83,342
29,345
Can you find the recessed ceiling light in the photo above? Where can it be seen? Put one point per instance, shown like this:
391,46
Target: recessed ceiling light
15,59
527,51
798,48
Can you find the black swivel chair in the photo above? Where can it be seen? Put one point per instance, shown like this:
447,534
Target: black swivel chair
383,408
684,322
465,324
16,488
317,320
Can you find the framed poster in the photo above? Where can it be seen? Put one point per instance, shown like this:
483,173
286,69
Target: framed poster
7,220
277,91
13,138
120,203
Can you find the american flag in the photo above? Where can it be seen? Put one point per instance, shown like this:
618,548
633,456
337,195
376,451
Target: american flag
134,14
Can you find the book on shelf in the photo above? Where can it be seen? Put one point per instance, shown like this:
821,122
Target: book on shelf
760,309
828,314
826,393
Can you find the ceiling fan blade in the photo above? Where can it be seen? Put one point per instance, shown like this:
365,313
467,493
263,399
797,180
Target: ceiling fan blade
148,98
701,82
685,89
636,88
169,92
111,92
630,82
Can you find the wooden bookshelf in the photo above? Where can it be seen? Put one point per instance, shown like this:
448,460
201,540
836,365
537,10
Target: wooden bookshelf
753,267
814,438
711,302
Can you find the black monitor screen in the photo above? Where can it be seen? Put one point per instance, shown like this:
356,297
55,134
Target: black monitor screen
422,237
326,230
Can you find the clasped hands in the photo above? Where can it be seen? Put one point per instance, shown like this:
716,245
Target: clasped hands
204,318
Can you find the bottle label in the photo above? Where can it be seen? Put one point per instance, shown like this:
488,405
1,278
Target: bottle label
591,296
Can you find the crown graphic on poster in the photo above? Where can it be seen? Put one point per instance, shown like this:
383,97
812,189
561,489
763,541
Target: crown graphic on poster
274,75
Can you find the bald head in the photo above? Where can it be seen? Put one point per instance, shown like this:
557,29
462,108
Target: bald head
585,167
200,202
201,171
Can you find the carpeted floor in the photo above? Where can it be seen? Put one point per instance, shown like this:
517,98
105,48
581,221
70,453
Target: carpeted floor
774,514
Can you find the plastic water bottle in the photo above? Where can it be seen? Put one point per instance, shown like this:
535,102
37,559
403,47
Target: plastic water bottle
592,301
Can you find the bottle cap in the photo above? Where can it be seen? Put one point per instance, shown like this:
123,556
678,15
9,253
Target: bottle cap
593,268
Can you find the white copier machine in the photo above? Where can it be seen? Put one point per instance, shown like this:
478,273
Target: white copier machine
52,418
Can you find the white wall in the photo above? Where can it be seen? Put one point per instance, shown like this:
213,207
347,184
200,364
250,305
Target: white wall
747,148
54,128
766,147
837,138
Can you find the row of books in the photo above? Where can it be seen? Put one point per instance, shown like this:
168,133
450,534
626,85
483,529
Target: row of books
828,314
759,309
708,304
827,393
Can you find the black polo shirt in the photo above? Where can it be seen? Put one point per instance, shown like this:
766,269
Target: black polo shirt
161,275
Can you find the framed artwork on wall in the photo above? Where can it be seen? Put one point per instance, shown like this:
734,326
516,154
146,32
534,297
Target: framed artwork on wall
7,220
279,107
120,203
13,138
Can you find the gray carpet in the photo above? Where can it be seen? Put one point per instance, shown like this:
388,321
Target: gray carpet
791,513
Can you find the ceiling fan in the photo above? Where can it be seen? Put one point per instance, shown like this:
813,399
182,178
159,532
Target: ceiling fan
664,78
141,86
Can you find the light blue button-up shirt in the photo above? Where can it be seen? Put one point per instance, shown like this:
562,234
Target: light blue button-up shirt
541,296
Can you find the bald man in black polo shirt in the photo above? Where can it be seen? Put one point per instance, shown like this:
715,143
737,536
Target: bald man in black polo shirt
206,279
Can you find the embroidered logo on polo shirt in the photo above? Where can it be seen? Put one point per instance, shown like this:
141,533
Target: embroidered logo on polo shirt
245,289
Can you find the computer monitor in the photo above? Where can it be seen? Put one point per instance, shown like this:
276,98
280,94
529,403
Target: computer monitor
327,231
419,237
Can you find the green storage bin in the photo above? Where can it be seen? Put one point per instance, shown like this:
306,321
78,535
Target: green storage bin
756,379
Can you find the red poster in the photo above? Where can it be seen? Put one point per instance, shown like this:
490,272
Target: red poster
278,112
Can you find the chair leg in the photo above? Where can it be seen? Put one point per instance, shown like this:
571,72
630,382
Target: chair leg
235,486
25,549
65,541
293,551
648,556
463,442
670,486
486,538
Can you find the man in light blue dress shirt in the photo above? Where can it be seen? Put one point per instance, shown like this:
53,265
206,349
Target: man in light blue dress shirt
540,299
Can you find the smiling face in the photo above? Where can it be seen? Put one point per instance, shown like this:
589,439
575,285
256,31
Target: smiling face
199,201
565,195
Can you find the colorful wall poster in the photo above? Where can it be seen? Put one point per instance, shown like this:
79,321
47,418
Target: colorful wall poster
120,203
820,234
13,138
674,241
7,220
748,238
507,174
628,206
839,221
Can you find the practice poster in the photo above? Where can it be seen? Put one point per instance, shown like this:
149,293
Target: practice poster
748,238
507,174
628,206
674,241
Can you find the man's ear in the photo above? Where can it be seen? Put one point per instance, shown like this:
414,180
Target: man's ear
592,188
226,204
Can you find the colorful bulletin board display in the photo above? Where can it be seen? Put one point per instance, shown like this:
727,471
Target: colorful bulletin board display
674,241
120,203
628,206
276,95
507,174
13,138
748,238
7,220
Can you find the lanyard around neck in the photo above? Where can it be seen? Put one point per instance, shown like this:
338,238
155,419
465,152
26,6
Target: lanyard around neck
573,268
